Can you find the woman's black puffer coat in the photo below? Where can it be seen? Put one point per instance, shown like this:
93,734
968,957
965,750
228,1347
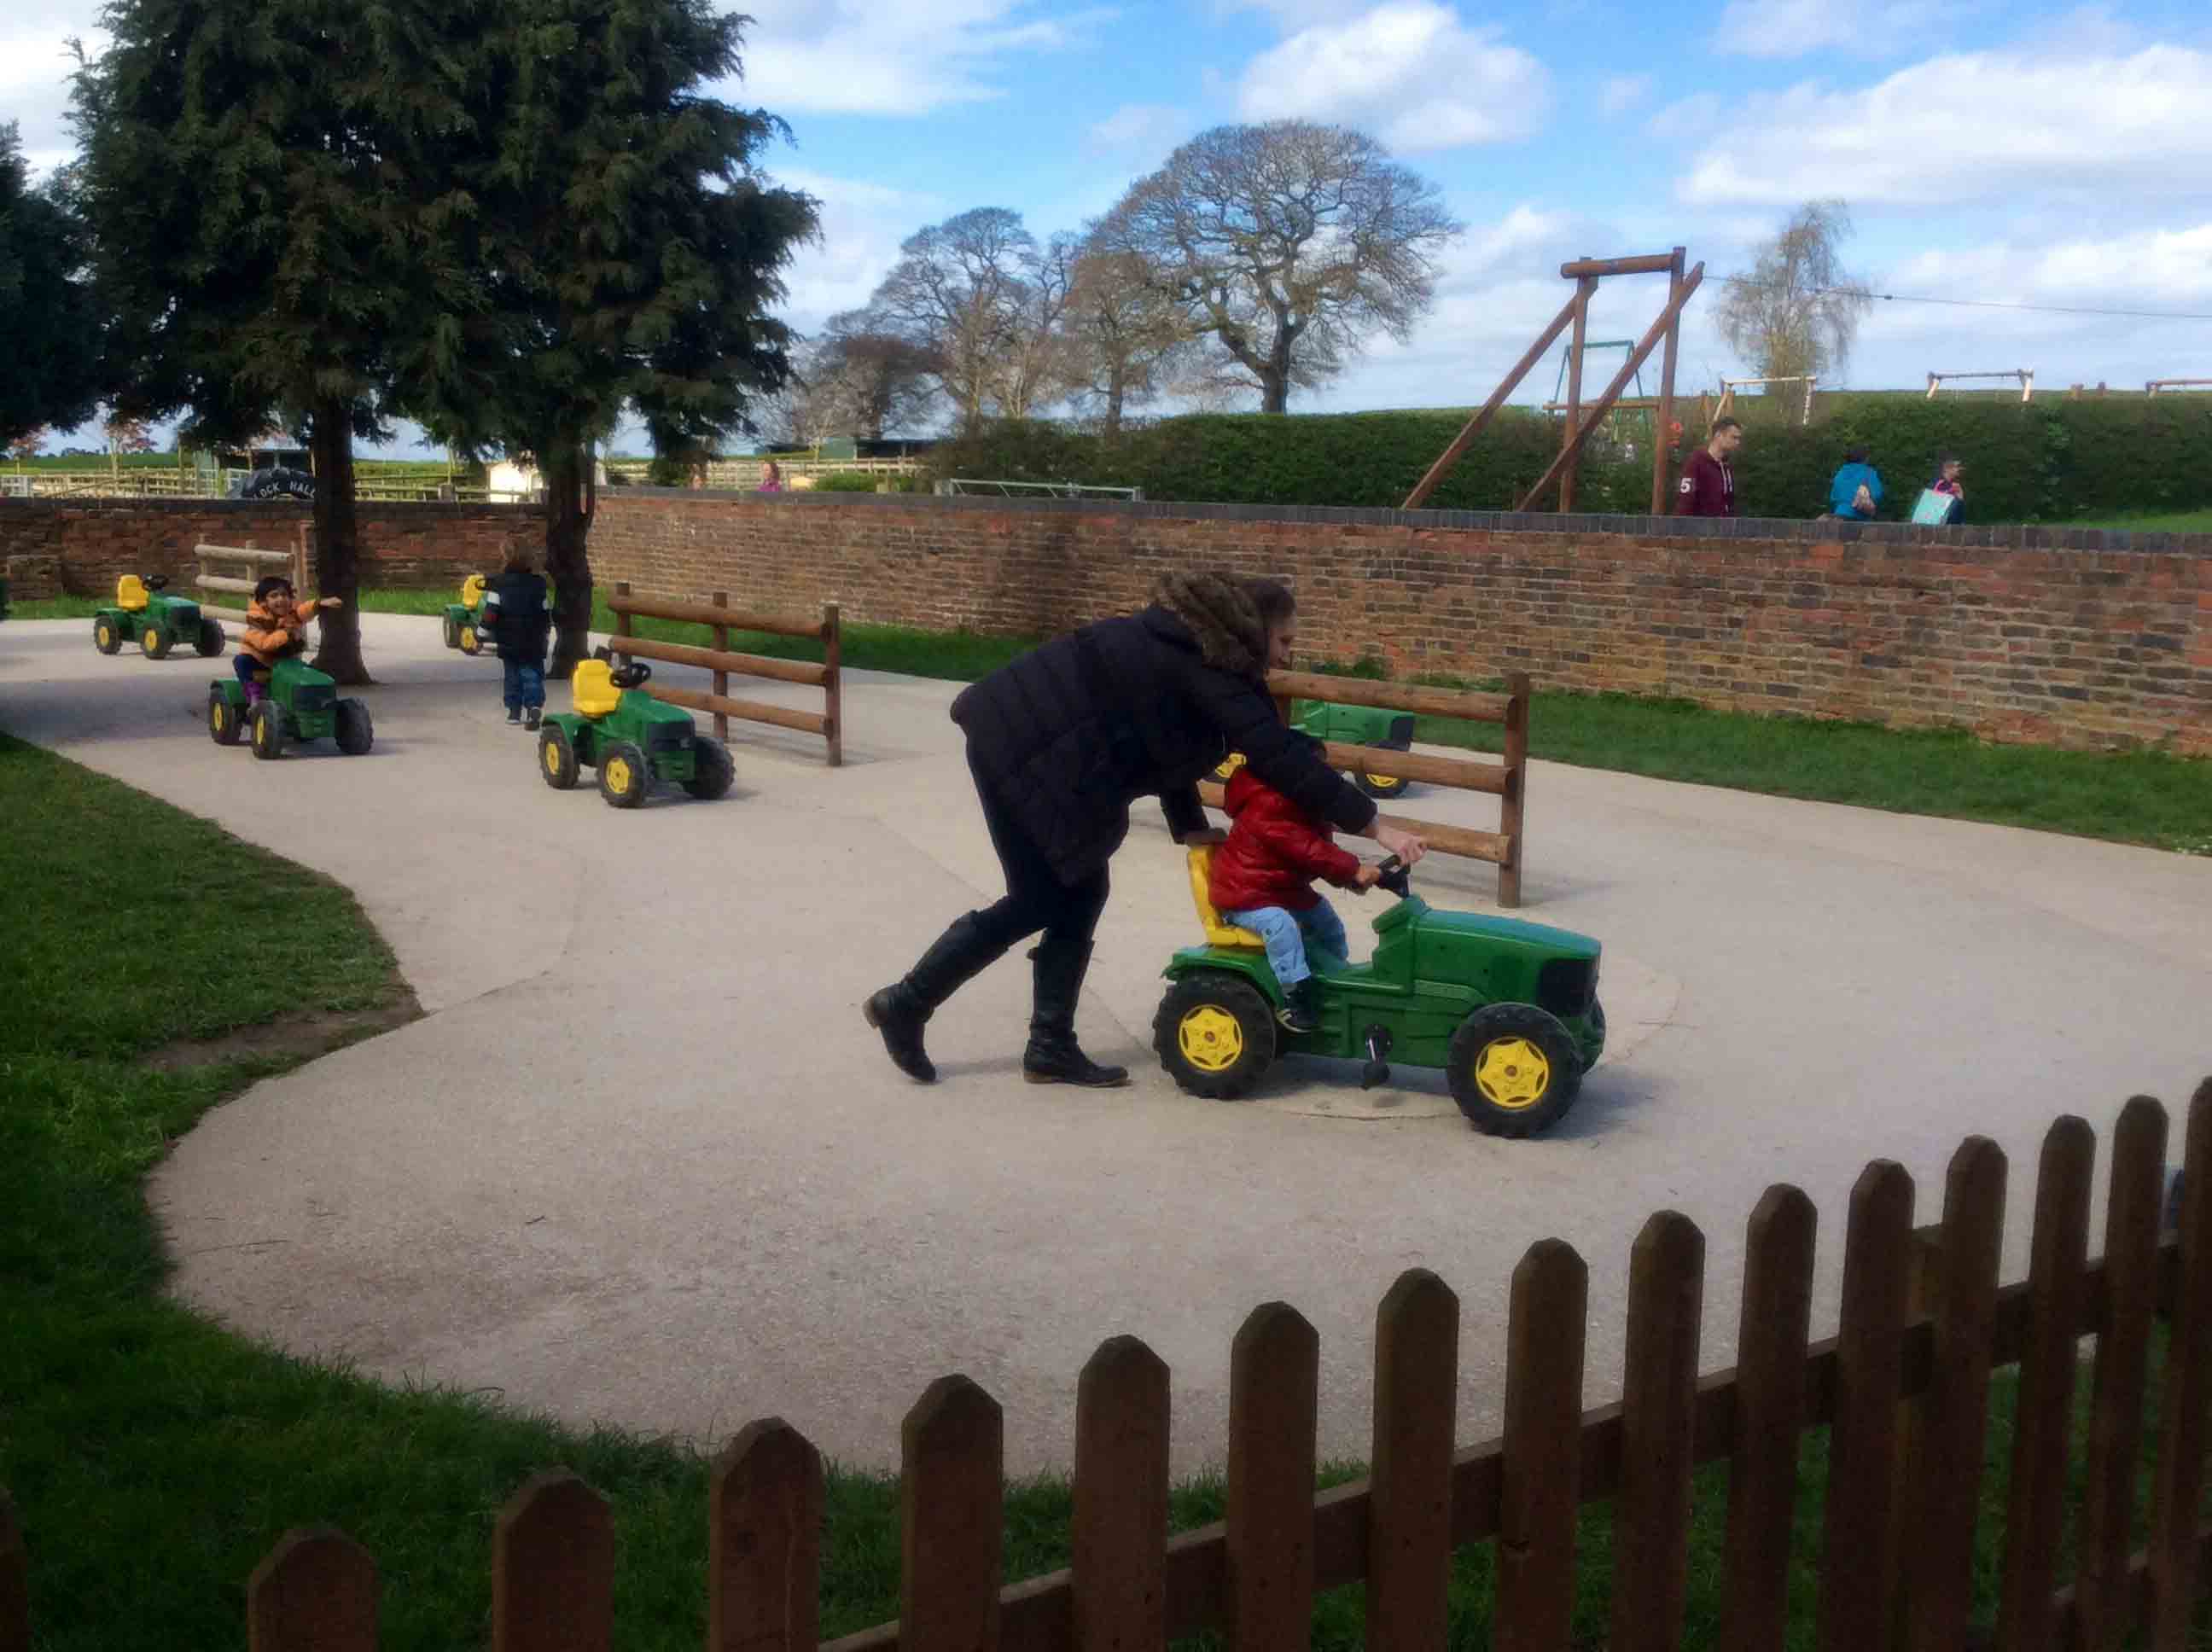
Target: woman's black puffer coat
1070,734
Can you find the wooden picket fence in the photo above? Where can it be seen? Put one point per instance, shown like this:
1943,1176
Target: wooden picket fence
1902,1385
1505,778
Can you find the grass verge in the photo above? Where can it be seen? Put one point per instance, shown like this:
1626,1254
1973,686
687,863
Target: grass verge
155,1458
2153,522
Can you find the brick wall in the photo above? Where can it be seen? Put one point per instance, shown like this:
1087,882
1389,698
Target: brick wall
2064,636
78,547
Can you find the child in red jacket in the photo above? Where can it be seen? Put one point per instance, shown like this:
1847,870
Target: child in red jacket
1262,881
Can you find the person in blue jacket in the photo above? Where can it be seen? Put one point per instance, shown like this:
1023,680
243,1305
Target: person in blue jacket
1855,494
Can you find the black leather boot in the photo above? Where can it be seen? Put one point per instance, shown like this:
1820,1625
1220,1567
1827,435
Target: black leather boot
1053,1057
900,1011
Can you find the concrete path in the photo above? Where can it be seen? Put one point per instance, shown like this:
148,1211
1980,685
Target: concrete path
640,1162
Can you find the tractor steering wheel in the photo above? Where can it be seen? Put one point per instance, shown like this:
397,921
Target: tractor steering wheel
157,581
636,674
1396,876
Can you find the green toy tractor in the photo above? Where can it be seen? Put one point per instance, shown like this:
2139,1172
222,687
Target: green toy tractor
464,618
1508,1010
298,703
1346,726
630,738
157,623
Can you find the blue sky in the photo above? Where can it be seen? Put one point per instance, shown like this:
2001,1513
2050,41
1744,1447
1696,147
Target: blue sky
2027,155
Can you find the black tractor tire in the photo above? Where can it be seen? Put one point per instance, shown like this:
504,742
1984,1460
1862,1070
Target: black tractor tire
1375,786
265,724
357,731
105,637
556,757
1513,1070
453,632
713,773
1215,1034
225,725
153,641
209,640
624,775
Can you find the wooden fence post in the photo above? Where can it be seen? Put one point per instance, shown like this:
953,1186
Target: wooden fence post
1410,1496
951,1519
1120,1531
2187,1399
2043,1425
1513,804
15,1582
553,1569
1274,1379
1940,1556
1858,1547
1769,1414
316,1592
1539,1484
721,679
764,1542
1659,1391
2103,1594
833,661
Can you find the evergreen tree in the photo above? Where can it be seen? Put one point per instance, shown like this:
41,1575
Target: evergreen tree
50,336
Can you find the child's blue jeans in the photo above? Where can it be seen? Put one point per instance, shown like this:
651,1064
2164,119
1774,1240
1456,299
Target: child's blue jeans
1288,934
525,683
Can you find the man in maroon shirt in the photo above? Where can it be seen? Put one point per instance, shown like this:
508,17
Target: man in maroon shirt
1708,485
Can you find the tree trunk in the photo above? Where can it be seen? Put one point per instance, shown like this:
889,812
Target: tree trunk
1113,393
337,543
1275,390
571,499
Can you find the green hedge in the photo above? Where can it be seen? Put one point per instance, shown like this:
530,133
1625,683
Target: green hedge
2043,462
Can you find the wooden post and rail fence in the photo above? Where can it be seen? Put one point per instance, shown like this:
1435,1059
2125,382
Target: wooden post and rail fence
720,619
1922,1325
246,565
1505,779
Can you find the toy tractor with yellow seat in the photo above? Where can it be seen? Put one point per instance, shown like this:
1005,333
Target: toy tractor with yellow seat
142,613
630,738
464,618
1508,1009
1369,725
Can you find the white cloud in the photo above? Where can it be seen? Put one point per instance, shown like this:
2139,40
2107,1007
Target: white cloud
1970,127
862,225
1409,71
35,67
2152,268
843,56
1622,92
1790,28
1146,126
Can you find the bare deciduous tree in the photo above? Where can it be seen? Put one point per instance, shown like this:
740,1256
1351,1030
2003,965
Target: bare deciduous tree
852,378
1797,312
1127,338
960,294
1287,243
1037,367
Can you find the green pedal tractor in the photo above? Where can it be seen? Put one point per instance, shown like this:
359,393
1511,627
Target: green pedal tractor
464,618
630,738
298,703
1346,726
1508,1009
157,623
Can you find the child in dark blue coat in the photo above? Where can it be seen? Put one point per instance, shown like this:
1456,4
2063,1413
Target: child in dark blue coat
520,619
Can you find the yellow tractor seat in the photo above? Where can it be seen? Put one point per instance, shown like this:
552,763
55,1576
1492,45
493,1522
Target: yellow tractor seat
130,593
472,590
1202,897
593,685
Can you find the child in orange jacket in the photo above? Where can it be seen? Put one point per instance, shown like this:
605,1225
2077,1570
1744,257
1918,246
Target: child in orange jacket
276,628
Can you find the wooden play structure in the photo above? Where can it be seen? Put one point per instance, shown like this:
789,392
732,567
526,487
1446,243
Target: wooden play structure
1576,429
2025,377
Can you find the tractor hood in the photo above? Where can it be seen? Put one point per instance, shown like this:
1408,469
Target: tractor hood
1487,931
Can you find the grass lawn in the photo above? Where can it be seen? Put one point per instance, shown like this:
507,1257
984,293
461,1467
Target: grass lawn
2154,522
153,1458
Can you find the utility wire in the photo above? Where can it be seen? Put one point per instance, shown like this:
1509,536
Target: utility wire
1978,303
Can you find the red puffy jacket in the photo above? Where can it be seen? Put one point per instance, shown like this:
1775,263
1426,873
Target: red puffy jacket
1274,852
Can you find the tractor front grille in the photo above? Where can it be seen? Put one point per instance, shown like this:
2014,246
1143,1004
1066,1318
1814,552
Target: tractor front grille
313,697
666,739
1567,986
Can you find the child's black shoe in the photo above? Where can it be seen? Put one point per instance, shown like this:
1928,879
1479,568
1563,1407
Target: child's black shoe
1297,1014
530,717
514,714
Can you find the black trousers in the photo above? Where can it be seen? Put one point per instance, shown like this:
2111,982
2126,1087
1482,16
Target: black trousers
1036,899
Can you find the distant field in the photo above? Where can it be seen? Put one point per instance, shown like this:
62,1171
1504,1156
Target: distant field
2151,522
